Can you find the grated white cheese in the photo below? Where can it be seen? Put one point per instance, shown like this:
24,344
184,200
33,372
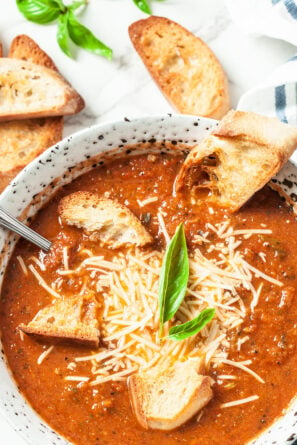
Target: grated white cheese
147,201
37,262
65,258
42,283
163,227
256,297
239,401
71,366
113,377
241,341
76,378
227,377
22,264
44,354
243,367
128,285
246,232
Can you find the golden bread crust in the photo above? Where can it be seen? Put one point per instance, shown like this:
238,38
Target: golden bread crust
23,140
165,398
240,156
24,48
103,219
73,319
183,66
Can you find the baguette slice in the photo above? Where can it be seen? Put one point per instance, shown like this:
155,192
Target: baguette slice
183,66
24,48
73,319
104,219
30,90
23,140
166,398
237,159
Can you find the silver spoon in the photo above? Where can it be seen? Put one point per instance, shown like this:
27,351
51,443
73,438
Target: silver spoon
9,222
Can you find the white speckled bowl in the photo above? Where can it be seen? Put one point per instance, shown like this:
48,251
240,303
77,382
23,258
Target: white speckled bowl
59,165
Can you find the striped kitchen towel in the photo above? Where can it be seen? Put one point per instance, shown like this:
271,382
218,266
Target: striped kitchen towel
273,18
277,96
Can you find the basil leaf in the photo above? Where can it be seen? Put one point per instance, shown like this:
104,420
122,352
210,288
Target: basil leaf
40,11
143,6
77,4
62,34
84,38
191,327
174,276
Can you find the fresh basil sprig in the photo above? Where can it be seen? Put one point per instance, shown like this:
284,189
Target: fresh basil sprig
41,11
84,38
174,276
172,289
69,28
62,34
144,5
192,327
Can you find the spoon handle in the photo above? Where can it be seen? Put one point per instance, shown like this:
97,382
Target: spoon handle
9,222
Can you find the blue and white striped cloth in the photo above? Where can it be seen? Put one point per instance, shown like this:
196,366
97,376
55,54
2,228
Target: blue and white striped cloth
277,96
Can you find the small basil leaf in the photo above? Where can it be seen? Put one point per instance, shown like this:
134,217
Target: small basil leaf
143,6
62,34
174,276
84,38
77,4
40,11
192,327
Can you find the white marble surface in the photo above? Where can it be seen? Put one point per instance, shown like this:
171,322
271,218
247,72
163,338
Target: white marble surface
122,87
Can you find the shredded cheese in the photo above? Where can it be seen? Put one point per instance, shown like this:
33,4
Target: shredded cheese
239,401
163,227
246,232
260,274
38,263
241,341
44,354
256,296
65,257
127,288
42,283
147,201
22,264
76,378
241,365
227,377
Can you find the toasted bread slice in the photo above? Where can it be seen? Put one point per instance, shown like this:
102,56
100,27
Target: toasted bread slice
237,159
183,66
23,140
72,319
166,398
104,219
30,90
24,48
